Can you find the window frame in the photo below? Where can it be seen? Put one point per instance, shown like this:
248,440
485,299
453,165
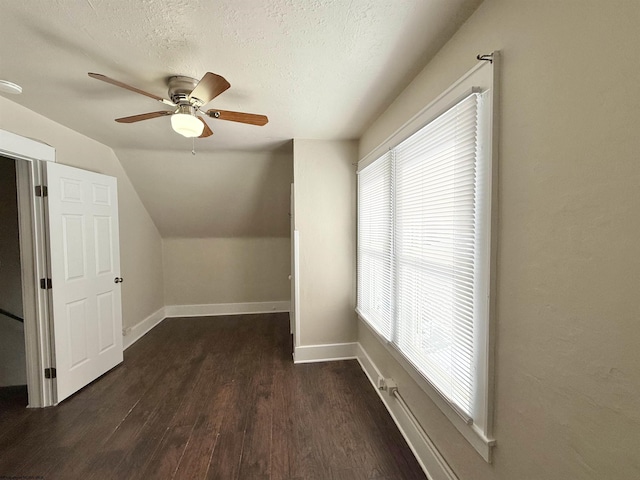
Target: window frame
482,78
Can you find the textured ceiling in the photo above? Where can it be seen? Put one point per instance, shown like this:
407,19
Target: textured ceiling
319,69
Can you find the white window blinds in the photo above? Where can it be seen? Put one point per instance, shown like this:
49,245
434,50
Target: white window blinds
418,261
375,236
435,237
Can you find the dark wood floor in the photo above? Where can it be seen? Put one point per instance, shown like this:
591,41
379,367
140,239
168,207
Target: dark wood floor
215,398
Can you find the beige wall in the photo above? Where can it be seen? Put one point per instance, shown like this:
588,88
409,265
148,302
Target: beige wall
140,242
224,221
214,194
13,359
324,178
12,349
226,270
567,403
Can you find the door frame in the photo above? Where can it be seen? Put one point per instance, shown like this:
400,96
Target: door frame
294,311
28,155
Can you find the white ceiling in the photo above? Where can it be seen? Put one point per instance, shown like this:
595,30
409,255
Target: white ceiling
320,69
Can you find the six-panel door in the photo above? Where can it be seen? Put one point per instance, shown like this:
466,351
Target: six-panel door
85,264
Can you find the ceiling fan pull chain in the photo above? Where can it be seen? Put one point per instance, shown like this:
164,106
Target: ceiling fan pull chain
193,146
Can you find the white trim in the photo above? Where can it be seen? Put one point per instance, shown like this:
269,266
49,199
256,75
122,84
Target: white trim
493,268
425,451
215,309
31,263
19,147
324,353
296,286
33,259
131,335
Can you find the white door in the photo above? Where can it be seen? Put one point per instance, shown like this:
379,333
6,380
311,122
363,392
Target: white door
85,275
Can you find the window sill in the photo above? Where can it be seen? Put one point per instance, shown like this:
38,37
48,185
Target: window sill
477,438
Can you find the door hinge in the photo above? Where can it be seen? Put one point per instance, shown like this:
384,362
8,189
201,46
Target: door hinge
49,373
45,284
42,191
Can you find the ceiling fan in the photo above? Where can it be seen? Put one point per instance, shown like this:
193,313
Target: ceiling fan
187,96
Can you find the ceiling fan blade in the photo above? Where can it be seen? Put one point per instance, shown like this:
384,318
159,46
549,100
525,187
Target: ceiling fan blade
207,131
104,78
250,118
209,87
144,116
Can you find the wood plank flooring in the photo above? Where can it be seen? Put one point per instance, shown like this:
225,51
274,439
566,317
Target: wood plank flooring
210,398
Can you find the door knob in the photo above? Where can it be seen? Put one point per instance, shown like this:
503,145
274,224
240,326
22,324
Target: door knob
118,280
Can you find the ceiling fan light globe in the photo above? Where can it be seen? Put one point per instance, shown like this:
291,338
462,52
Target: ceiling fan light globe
187,125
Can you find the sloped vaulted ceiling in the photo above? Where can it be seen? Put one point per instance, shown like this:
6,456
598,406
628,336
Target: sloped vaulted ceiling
214,194
320,69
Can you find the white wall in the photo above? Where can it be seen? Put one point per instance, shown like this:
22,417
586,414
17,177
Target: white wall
567,402
325,181
140,242
202,271
12,349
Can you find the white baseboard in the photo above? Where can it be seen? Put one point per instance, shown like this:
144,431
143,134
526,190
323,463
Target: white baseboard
135,333
325,353
132,334
425,451
215,309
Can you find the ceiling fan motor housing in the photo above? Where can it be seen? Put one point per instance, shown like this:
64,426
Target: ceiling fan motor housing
179,90
186,109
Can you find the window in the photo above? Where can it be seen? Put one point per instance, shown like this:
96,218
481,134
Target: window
375,240
424,255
